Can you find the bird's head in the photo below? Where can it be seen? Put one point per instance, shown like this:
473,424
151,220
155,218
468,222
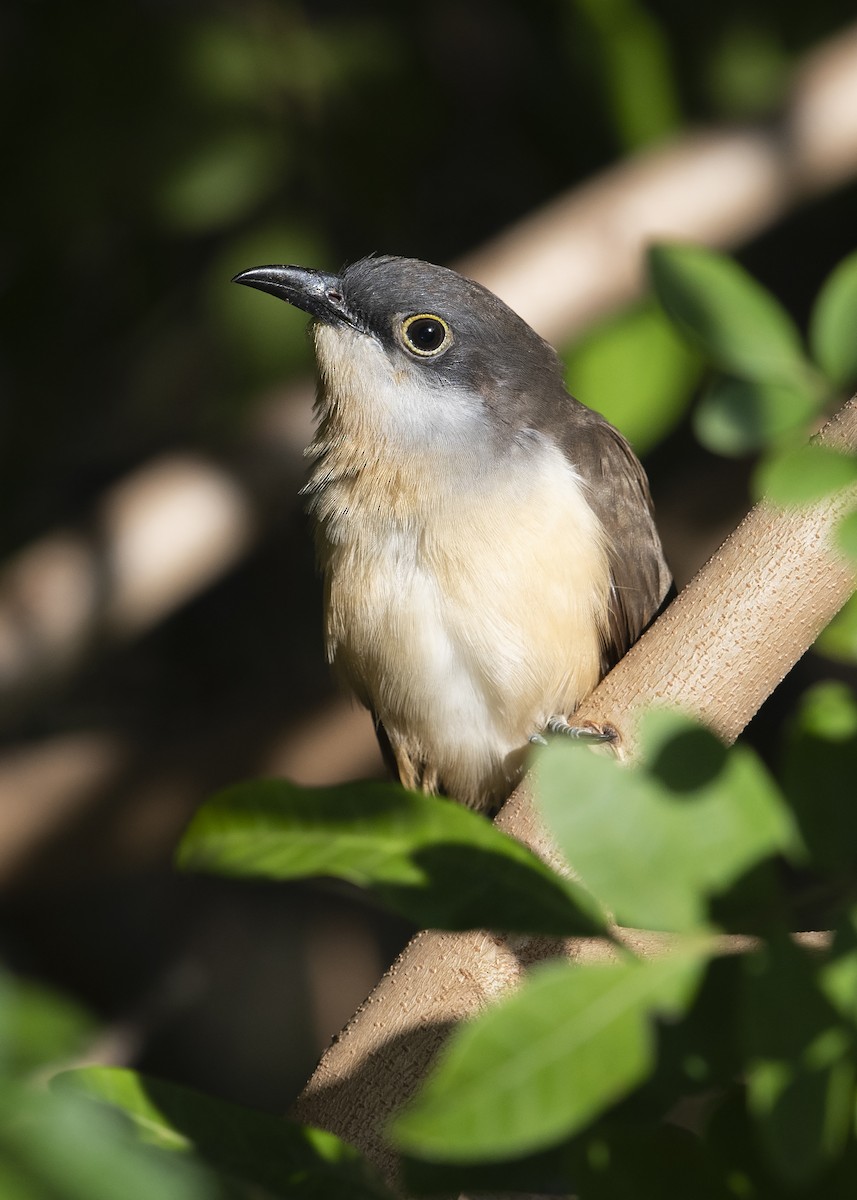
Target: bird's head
424,353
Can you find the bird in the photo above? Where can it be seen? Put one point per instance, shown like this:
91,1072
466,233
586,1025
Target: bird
487,541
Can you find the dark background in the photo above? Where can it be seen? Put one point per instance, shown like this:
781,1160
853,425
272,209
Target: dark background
151,151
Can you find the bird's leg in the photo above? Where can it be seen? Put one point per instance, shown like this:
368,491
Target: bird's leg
580,733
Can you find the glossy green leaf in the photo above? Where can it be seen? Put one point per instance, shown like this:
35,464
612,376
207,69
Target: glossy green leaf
637,372
258,1148
738,416
545,1061
725,313
430,859
804,475
800,1062
833,326
656,842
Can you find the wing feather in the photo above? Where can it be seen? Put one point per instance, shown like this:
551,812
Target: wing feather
640,581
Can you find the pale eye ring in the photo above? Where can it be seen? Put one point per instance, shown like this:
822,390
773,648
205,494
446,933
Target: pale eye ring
426,334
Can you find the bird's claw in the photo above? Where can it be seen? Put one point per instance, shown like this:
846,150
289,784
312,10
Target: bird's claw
580,733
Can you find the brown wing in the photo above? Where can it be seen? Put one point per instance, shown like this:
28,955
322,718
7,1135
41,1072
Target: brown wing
640,580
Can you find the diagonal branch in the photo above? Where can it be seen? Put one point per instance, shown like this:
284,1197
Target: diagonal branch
718,651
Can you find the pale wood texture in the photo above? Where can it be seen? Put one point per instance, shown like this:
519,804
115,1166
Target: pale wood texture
718,651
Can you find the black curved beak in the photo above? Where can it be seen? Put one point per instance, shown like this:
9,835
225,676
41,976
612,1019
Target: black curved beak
313,291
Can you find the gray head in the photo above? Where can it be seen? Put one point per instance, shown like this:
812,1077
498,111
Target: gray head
435,329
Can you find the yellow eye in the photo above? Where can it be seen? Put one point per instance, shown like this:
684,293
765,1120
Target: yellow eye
426,334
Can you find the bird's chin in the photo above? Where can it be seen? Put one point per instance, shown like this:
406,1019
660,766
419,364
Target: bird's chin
370,394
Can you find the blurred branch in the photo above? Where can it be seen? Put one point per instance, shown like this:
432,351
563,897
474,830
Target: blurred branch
718,651
155,540
160,536
43,790
174,526
581,256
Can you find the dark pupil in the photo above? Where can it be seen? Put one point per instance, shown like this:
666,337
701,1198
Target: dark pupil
426,334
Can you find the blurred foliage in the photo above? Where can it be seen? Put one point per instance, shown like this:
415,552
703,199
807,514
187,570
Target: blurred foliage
245,1155
832,324
99,1132
53,1147
637,77
721,310
37,1028
637,372
839,640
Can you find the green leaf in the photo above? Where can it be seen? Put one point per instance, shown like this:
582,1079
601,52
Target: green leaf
804,475
738,416
839,640
545,1171
732,1137
257,1148
819,767
838,973
430,859
724,312
614,1160
37,1027
801,1062
828,711
58,1147
269,341
633,60
637,372
656,842
545,1061
747,71
646,1162
846,535
213,185
833,325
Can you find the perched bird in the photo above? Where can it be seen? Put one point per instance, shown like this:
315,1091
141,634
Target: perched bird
487,541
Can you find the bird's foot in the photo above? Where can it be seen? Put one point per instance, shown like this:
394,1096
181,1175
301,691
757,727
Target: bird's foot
581,733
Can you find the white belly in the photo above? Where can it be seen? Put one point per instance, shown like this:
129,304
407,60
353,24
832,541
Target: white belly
465,626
